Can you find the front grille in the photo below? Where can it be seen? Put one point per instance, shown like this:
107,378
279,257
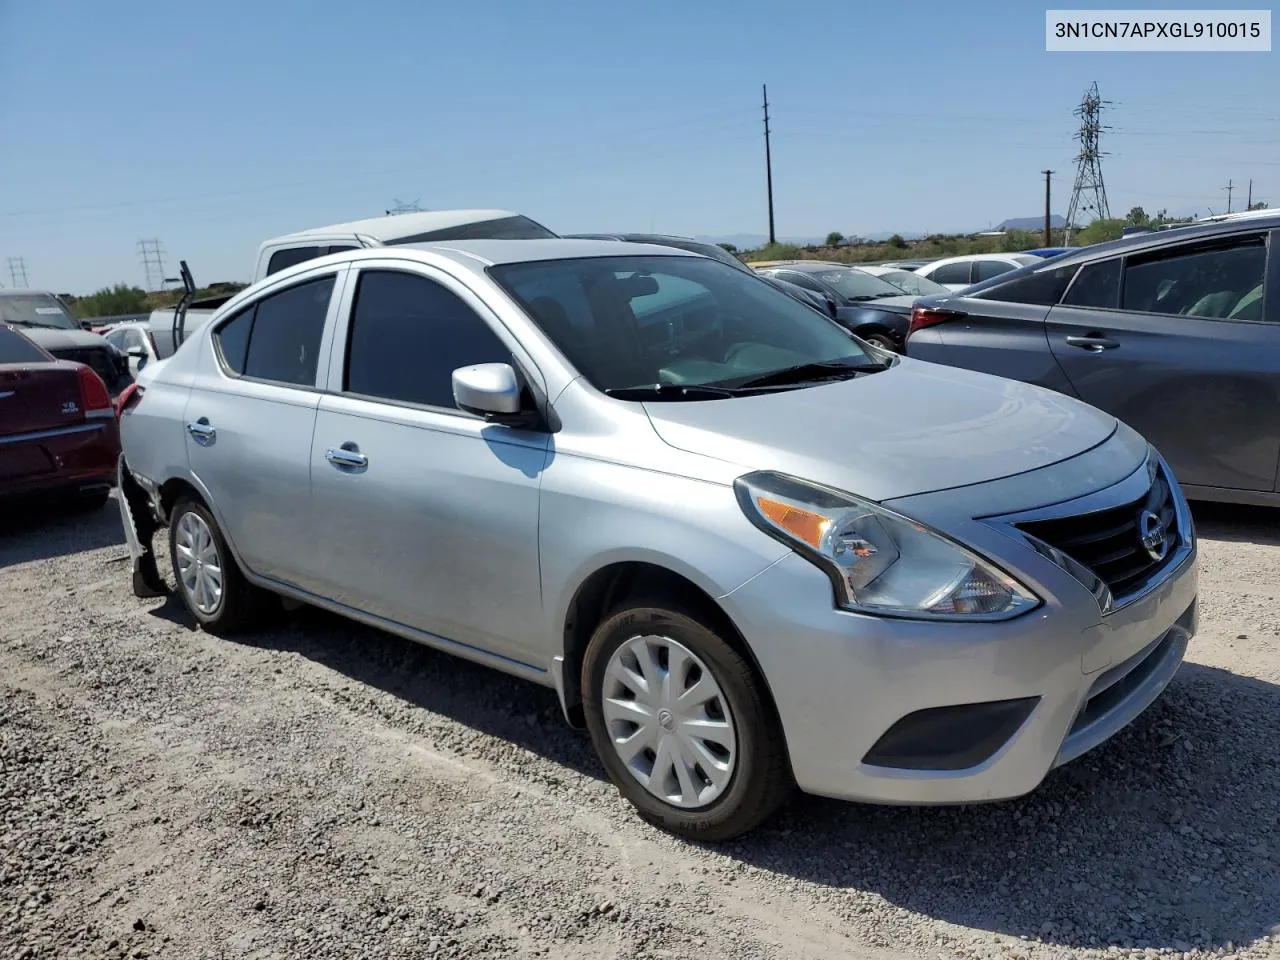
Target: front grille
1110,542
97,359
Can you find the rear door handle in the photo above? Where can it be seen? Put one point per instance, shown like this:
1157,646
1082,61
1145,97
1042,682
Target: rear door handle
344,457
1092,344
202,431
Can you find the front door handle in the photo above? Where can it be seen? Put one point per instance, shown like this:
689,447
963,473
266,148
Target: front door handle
346,456
202,431
1094,344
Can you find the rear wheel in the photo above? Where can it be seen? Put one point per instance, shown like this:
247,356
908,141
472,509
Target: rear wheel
682,724
209,581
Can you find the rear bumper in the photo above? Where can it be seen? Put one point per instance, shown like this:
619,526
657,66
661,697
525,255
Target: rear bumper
65,460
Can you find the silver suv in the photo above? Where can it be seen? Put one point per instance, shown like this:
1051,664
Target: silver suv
747,550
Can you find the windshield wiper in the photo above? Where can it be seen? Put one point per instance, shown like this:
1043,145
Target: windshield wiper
811,373
672,391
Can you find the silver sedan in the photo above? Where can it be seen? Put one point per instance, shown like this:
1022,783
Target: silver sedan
748,551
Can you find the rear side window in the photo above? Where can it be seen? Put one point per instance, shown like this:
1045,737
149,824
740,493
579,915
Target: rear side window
278,339
1098,285
1044,287
408,334
283,259
1217,282
504,228
951,273
15,348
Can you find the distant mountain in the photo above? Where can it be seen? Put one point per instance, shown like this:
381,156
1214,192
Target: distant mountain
1033,223
754,241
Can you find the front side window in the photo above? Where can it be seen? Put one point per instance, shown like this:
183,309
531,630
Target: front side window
278,338
408,334
986,269
951,273
1215,281
736,329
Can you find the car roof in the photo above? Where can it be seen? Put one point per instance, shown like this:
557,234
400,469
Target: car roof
494,252
1139,242
403,224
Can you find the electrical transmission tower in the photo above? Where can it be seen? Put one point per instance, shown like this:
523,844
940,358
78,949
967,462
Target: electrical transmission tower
152,256
18,271
402,207
1089,193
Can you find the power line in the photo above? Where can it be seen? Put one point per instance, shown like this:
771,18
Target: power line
152,256
1089,192
18,271
768,164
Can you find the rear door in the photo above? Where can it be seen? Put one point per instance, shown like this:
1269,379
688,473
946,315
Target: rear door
249,419
1000,330
1183,344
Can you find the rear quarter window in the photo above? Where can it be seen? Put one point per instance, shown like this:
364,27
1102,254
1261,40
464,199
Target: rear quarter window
1043,287
15,348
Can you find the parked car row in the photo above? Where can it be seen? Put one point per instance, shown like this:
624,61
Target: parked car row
1174,332
750,552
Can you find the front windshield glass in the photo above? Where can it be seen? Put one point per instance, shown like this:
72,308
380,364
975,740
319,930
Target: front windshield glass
631,322
855,284
913,283
35,310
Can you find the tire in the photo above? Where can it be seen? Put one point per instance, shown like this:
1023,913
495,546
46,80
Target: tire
240,603
882,340
759,773
90,502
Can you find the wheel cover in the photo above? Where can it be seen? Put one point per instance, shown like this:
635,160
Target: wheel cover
199,566
669,721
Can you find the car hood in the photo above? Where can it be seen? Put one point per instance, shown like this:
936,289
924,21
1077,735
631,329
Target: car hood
915,428
54,340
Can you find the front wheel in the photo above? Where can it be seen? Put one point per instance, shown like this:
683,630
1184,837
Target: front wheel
682,724
882,340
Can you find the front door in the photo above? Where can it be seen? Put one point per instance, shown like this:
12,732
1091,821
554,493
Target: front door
248,425
1181,344
429,516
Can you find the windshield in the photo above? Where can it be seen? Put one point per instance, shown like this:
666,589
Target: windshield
913,283
35,310
630,322
853,284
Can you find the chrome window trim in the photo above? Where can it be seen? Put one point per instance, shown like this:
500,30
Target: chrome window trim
1129,489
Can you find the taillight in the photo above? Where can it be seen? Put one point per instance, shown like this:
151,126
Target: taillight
94,396
922,317
128,398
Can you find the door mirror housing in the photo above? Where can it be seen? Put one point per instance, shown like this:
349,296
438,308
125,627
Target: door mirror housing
138,353
489,390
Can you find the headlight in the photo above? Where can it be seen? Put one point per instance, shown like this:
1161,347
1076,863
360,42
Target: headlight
881,563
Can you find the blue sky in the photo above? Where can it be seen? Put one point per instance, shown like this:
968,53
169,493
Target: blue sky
214,126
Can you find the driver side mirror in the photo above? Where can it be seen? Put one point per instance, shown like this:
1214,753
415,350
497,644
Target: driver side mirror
490,390
833,308
138,353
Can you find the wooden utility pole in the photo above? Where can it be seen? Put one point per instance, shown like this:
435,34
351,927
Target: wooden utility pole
768,165
1228,188
1048,234
1248,204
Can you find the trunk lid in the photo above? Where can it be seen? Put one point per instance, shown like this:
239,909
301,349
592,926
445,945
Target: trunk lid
40,396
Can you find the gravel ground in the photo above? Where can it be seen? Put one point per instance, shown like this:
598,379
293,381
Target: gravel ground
319,789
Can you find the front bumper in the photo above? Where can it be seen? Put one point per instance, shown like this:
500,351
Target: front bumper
1052,683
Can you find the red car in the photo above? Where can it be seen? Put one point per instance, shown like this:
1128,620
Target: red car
59,437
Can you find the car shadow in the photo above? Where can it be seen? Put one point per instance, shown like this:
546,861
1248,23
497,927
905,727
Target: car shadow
1164,837
33,530
486,700
1238,523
